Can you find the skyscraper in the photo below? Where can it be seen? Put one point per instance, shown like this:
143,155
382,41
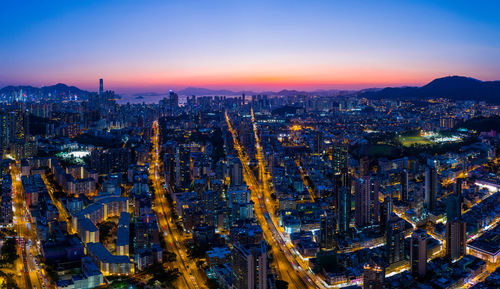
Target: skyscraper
343,209
318,142
418,253
327,229
362,201
403,180
339,157
364,166
455,226
5,130
101,86
250,266
366,201
431,187
455,239
385,213
453,207
394,239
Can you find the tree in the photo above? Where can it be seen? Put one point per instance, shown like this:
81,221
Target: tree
170,256
212,284
9,251
105,230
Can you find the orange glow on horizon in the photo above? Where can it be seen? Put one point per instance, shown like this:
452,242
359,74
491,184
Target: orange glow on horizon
268,81
129,81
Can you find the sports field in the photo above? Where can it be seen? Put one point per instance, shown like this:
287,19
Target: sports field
411,140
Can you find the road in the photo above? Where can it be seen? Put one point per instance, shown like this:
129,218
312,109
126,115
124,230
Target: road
288,263
64,216
28,241
191,277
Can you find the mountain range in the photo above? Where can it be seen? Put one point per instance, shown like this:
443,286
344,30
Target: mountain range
451,87
57,89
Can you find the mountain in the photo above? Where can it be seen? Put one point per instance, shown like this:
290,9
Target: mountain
451,87
62,88
59,89
199,91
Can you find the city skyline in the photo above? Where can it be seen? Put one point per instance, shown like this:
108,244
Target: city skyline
259,46
279,144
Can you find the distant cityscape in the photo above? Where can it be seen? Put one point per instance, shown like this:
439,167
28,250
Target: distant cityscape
294,189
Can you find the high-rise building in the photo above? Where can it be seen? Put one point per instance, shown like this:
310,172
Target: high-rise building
364,166
455,226
453,207
362,201
343,209
21,125
418,253
174,101
395,239
101,86
327,229
366,200
250,266
236,172
459,182
403,180
339,157
318,142
455,239
431,187
385,213
374,274
5,129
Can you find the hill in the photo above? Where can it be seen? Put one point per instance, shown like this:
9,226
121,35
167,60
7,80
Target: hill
451,87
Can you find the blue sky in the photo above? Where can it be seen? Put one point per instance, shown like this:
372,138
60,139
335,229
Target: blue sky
151,45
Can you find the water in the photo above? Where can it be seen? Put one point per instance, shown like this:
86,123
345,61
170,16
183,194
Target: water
148,99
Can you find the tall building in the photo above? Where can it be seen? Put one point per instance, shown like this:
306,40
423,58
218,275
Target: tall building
455,239
101,86
418,253
250,266
385,213
403,180
374,274
459,182
364,166
5,129
453,207
236,172
455,227
395,239
174,101
21,125
431,187
318,142
339,157
327,229
343,209
366,201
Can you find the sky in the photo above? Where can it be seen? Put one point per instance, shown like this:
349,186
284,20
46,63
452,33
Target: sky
139,46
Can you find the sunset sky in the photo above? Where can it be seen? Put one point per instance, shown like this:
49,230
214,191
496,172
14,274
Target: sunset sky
139,46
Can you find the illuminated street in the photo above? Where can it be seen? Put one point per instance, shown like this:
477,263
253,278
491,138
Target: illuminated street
28,242
191,277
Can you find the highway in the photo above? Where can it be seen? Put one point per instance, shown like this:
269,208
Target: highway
191,277
289,264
